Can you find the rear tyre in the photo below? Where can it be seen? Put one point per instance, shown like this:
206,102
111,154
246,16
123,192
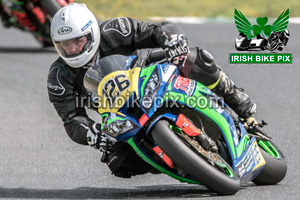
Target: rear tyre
184,157
276,165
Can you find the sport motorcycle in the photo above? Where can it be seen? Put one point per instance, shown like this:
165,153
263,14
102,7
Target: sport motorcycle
163,116
33,16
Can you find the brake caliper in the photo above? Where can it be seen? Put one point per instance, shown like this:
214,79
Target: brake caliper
190,129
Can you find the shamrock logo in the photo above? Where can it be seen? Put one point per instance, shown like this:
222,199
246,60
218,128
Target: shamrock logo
244,26
257,29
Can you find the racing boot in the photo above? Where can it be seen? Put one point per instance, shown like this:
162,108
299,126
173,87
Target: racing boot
234,97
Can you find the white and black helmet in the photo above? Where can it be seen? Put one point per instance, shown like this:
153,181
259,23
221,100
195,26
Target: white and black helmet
70,23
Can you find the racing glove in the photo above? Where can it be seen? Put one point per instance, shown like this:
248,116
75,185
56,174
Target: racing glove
176,45
96,139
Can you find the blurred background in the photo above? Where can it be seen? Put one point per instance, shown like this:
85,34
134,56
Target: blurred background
105,9
12,12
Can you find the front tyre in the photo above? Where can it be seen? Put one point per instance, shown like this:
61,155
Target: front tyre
276,165
184,157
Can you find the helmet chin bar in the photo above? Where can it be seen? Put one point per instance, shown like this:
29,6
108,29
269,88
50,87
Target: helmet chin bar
93,60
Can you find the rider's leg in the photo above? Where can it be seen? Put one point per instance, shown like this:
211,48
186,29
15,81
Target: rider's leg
201,67
124,162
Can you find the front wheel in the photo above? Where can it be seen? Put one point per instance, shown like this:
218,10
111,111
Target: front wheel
276,165
216,175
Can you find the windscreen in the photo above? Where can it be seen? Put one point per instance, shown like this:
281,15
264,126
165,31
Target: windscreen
100,69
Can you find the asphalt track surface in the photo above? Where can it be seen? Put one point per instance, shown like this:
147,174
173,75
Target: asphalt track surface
39,161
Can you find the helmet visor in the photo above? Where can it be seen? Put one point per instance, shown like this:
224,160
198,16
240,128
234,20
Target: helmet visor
74,47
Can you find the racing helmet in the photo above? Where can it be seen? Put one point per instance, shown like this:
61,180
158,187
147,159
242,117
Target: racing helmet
75,34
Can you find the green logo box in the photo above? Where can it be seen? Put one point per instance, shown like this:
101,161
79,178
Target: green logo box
260,58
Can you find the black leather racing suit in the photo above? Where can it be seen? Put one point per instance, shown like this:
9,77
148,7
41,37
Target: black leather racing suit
118,36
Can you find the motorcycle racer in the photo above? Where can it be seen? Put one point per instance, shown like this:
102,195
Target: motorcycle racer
18,14
81,42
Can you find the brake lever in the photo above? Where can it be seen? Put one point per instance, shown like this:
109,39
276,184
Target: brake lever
256,130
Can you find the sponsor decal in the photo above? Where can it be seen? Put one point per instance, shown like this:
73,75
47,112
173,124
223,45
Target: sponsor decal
64,30
86,26
185,84
168,71
250,161
187,126
53,84
234,135
120,25
246,164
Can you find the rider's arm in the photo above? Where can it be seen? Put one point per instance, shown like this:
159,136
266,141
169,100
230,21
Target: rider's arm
61,94
152,33
125,35
75,121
